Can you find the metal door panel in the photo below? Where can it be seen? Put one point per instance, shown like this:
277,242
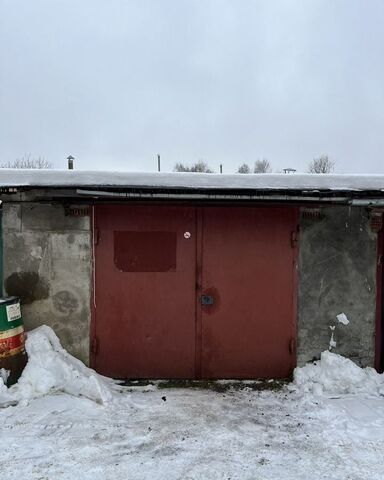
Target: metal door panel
145,291
248,329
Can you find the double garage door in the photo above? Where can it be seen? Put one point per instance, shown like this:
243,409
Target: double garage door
194,292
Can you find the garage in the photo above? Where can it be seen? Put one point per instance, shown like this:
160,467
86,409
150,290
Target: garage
168,275
186,291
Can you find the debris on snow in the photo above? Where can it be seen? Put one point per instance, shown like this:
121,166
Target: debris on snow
51,368
342,318
335,375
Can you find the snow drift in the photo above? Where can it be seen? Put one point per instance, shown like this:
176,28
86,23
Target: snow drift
335,375
51,368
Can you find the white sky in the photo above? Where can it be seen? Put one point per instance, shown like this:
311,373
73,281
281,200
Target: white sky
114,82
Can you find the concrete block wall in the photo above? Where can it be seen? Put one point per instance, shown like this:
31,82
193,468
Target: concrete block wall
337,274
48,263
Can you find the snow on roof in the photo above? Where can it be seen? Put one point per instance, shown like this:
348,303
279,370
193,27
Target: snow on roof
268,181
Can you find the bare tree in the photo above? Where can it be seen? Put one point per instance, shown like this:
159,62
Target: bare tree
262,166
27,162
199,167
322,164
244,168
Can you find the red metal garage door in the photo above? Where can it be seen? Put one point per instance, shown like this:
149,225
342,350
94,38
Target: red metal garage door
145,292
155,266
248,274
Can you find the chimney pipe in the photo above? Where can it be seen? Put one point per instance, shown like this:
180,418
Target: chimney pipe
70,162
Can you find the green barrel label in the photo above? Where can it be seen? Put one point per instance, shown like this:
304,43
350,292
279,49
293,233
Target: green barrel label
13,312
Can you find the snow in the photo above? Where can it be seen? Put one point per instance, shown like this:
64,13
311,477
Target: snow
272,181
332,341
336,375
328,424
194,434
51,368
4,374
342,318
3,388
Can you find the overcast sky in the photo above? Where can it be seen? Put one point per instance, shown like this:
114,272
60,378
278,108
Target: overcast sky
114,82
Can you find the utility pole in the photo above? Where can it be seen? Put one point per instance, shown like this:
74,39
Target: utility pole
158,162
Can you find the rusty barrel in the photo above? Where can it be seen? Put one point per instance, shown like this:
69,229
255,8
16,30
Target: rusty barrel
13,357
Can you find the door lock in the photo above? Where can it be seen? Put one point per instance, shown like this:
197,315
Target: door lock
207,300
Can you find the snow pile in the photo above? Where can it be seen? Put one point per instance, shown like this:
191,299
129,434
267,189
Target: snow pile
51,368
335,375
3,388
6,399
4,374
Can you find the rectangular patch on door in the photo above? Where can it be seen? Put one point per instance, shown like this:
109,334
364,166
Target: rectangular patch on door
145,251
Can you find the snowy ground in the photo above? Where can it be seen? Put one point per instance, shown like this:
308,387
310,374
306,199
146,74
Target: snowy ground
153,433
194,434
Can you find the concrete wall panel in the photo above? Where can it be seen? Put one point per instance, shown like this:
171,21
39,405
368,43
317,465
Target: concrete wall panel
337,274
47,262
